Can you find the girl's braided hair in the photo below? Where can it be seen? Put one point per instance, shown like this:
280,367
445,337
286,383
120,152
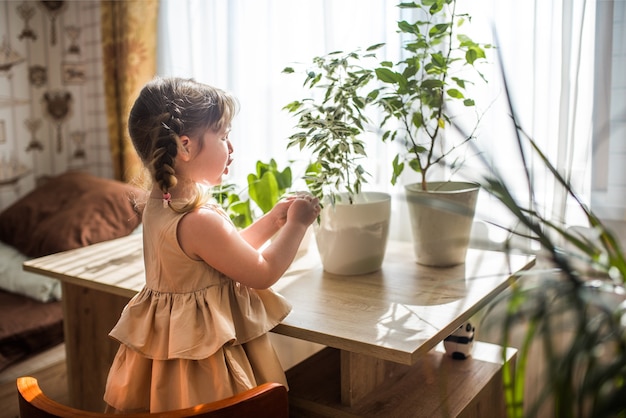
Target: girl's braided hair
168,108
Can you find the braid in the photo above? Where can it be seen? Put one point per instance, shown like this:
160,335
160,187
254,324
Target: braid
166,142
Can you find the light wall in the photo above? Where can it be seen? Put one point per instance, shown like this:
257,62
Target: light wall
59,57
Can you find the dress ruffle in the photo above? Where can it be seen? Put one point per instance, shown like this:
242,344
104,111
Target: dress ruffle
194,325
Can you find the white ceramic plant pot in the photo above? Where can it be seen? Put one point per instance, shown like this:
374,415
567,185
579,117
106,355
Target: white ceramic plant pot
441,221
352,238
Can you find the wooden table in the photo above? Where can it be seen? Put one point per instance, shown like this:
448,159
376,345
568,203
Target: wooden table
377,326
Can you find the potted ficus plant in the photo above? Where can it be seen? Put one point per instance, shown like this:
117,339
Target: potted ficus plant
416,100
353,227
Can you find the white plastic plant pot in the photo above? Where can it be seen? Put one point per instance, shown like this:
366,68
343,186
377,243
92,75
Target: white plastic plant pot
441,221
352,237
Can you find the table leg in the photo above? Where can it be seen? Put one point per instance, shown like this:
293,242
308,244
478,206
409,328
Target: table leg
89,315
360,375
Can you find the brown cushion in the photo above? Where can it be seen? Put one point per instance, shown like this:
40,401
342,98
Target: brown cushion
69,211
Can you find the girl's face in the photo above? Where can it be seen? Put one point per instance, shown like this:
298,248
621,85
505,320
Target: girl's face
210,157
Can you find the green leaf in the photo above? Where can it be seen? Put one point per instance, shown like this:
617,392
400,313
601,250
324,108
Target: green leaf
268,184
431,84
455,93
263,191
407,27
386,75
439,29
293,106
375,46
411,5
284,179
438,60
398,167
417,120
373,95
262,168
410,70
473,54
459,82
241,214
358,148
415,165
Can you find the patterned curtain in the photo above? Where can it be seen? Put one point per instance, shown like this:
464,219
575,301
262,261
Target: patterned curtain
129,41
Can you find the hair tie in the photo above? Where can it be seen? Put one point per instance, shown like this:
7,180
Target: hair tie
167,198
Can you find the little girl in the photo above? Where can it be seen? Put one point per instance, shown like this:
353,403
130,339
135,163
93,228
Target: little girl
197,331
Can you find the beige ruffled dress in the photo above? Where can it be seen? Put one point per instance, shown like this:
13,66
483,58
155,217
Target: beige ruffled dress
191,335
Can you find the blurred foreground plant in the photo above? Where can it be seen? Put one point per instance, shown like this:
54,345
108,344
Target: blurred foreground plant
571,304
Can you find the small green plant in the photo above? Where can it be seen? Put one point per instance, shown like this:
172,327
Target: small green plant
332,121
416,90
238,210
266,186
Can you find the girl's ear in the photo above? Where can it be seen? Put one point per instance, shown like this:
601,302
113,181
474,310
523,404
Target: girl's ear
184,153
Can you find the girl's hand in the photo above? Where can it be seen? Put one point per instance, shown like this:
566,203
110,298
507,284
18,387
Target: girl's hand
279,211
305,208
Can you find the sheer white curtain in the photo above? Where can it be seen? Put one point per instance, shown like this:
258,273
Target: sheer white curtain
243,46
609,147
546,47
547,55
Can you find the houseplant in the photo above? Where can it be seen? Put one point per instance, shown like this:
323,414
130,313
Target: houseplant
268,184
353,227
265,187
569,312
417,101
237,209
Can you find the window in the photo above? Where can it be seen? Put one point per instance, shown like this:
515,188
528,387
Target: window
608,196
547,51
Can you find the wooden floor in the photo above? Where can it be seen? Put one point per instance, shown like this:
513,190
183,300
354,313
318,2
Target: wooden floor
49,369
